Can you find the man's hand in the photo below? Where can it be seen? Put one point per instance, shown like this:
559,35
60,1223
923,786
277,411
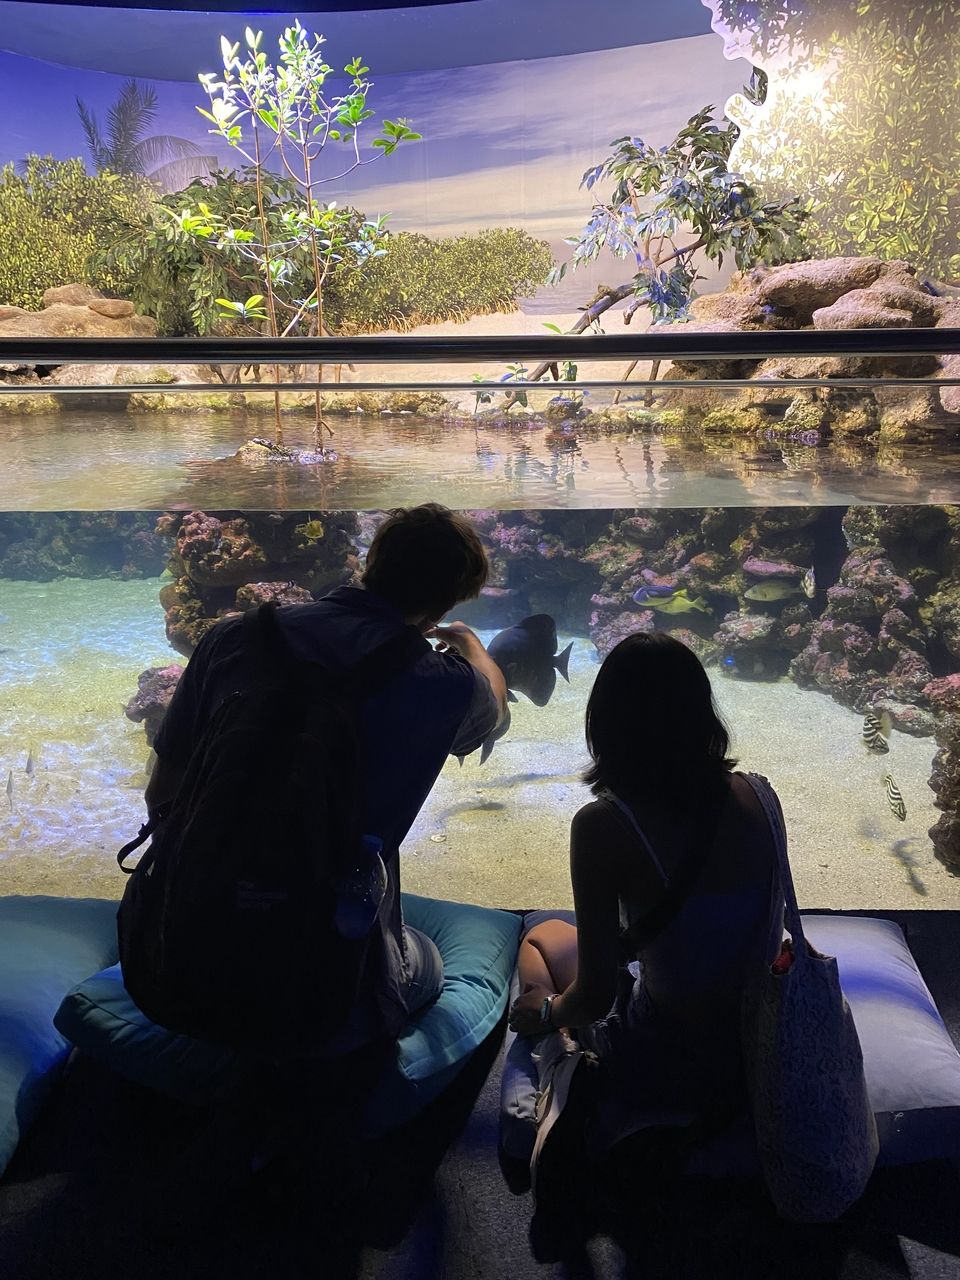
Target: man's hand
458,637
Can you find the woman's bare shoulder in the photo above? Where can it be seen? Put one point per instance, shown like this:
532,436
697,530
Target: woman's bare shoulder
595,815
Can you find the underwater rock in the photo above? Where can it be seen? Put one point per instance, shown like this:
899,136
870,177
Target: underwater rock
219,552
745,631
41,546
944,696
148,705
606,633
253,594
911,413
905,717
850,604
942,615
229,562
751,645
754,567
643,531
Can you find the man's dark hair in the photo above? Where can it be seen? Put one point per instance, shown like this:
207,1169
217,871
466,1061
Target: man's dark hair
426,559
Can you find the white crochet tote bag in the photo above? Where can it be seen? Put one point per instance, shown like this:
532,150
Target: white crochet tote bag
816,1134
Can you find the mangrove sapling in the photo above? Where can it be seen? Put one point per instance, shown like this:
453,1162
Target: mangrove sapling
661,195
284,116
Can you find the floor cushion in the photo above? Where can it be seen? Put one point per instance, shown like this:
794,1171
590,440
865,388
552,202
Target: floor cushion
46,945
479,950
911,1065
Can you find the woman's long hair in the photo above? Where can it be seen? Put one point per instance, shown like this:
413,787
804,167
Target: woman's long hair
653,730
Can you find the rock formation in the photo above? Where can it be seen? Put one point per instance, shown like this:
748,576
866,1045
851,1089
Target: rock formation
832,293
232,561
40,546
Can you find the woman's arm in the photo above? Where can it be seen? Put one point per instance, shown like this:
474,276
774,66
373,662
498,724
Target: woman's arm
593,872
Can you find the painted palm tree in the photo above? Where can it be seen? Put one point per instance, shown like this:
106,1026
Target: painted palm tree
124,144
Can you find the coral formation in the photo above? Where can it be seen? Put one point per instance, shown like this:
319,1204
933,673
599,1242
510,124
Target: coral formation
43,545
231,561
148,705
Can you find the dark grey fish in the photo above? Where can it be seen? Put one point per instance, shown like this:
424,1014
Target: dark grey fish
28,767
527,656
494,736
10,788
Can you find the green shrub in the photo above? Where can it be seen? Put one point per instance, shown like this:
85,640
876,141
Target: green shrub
52,217
422,281
875,155
176,277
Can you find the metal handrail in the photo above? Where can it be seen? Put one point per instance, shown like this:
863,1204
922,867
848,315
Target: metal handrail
673,342
556,388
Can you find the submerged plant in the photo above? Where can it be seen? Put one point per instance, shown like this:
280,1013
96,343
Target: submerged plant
284,115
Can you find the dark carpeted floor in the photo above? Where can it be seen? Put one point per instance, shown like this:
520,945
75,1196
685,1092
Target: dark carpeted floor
91,1194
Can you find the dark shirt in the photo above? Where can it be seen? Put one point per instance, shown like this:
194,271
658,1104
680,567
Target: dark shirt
439,705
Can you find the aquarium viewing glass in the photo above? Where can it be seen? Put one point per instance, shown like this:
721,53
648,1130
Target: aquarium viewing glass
687,350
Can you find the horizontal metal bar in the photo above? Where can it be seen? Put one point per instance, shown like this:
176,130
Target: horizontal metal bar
388,388
674,342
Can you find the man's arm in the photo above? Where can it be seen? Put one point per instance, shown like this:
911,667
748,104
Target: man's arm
458,636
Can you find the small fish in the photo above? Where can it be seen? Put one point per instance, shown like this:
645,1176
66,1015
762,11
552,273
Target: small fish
808,583
10,788
527,656
894,798
313,530
772,589
876,731
651,592
677,602
28,767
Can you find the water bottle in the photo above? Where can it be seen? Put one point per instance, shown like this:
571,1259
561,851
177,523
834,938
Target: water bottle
361,891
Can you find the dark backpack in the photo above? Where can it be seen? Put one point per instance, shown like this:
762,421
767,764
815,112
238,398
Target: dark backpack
230,927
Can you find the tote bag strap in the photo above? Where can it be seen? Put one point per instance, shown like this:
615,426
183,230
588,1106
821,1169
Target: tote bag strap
771,807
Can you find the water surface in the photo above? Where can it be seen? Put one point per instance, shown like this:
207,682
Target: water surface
116,461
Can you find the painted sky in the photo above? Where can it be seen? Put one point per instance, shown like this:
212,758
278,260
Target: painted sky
505,144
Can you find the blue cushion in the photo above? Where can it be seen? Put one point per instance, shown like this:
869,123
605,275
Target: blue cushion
479,950
911,1065
46,945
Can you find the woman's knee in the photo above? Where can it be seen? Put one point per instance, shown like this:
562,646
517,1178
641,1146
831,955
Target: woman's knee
552,937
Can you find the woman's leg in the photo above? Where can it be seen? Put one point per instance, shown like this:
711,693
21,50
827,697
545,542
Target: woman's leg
548,956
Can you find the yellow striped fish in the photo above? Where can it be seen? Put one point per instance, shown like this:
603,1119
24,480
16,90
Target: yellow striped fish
876,730
894,798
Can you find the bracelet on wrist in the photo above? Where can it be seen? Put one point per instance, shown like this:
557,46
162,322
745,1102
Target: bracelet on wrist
546,1011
